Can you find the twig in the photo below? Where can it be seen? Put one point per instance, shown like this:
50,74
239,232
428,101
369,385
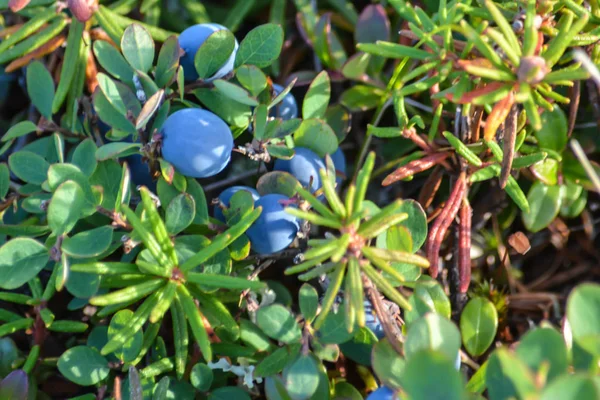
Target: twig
233,179
391,330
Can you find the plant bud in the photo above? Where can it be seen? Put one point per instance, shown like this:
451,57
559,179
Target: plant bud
82,9
532,70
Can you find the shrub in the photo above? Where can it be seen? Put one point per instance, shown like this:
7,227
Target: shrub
175,225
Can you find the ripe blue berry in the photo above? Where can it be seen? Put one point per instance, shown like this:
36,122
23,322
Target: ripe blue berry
274,230
287,108
140,172
372,322
339,161
196,142
304,165
457,361
190,41
383,393
226,195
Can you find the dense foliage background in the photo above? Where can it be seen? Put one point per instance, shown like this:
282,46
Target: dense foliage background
417,220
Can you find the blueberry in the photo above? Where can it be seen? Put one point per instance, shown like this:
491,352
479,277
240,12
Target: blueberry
287,108
140,172
457,361
304,165
339,162
383,393
190,41
226,195
196,142
274,230
372,322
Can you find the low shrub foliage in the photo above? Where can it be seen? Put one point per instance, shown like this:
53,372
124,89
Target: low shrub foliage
390,220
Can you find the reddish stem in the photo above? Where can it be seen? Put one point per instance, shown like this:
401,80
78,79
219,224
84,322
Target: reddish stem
442,223
415,167
464,246
430,187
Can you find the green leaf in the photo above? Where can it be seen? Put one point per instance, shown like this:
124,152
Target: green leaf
180,213
120,97
340,120
572,387
116,150
229,393
432,332
373,25
88,244
393,50
301,378
333,330
544,347
82,285
66,207
112,61
583,316
83,365
150,108
84,157
317,136
167,63
110,115
28,167
416,377
214,53
361,98
278,323
235,92
234,113
138,47
40,88
21,259
196,191
4,180
276,361
277,182
261,46
252,78
544,205
133,345
546,171
553,134
69,64
428,296
21,129
308,301
201,377
60,173
346,391
478,325
507,377
317,97
387,364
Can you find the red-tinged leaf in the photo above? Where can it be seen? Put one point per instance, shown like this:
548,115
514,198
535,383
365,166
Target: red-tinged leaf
473,94
477,62
414,167
17,5
497,116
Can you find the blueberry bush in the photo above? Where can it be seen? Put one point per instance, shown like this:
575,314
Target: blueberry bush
299,199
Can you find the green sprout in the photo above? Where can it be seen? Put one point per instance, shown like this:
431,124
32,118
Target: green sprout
349,257
166,281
